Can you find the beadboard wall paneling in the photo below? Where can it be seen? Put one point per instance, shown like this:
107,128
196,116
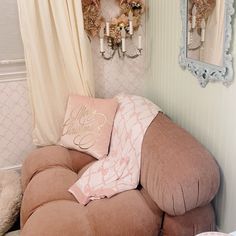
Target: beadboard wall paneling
15,123
118,75
208,113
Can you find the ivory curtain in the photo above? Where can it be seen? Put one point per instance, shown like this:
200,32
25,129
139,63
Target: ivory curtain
58,60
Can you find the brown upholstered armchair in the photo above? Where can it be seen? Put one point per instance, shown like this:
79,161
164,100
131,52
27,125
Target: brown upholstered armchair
179,179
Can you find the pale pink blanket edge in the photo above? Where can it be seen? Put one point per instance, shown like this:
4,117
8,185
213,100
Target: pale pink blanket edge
120,170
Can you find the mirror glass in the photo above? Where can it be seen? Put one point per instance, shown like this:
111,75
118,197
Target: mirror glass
205,31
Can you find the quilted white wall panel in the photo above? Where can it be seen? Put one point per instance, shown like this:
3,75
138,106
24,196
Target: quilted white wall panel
15,123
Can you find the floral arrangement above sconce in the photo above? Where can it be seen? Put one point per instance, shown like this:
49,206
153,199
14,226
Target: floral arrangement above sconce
116,31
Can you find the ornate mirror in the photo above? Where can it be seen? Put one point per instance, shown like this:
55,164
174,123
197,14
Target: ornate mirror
206,39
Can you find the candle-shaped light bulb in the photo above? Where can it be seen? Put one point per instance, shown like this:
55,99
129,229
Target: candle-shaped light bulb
189,26
140,38
101,34
131,29
189,32
194,13
130,15
107,29
203,29
123,35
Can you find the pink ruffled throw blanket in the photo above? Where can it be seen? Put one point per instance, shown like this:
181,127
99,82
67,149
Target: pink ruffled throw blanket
120,170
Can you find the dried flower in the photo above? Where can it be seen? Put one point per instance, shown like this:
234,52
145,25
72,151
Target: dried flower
93,19
123,19
91,2
136,6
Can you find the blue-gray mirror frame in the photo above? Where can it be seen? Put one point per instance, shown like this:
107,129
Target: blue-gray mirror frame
206,72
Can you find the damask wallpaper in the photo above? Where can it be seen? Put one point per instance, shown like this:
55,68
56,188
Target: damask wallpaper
15,123
118,75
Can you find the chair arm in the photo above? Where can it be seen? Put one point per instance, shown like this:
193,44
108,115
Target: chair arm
176,170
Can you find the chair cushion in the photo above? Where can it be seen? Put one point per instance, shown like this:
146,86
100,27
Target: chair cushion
47,186
52,156
125,214
193,222
48,209
42,159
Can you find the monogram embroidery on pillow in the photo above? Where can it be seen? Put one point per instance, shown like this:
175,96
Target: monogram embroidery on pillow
85,124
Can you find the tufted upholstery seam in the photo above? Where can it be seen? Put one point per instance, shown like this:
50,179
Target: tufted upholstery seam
44,204
48,201
47,168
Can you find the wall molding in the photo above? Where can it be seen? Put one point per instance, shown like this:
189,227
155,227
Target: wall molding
15,167
7,80
12,70
12,61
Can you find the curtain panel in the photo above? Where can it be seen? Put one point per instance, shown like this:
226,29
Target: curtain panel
58,60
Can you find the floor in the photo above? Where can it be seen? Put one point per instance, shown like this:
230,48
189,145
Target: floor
13,233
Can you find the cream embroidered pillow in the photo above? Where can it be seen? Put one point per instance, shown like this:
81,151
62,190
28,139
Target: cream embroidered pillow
88,125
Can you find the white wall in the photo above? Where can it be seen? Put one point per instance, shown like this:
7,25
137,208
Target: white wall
208,113
15,112
10,39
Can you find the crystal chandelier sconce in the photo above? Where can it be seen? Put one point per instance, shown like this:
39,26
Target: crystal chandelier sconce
116,35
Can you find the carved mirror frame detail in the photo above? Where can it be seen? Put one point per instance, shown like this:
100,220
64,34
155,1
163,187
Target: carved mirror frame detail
203,71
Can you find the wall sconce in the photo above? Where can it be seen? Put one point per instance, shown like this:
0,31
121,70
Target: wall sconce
197,17
115,35
196,34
